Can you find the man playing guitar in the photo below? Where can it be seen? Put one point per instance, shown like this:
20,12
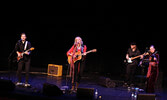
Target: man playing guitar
23,56
133,51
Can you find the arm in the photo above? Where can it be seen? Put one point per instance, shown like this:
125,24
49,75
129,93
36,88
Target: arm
127,54
17,48
84,53
139,53
84,50
70,51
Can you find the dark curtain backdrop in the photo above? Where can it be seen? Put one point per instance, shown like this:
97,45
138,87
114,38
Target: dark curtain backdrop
107,26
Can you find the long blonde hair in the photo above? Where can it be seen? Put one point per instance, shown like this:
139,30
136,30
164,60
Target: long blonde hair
76,38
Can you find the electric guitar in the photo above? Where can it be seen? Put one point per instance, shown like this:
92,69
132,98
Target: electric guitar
130,60
22,53
78,56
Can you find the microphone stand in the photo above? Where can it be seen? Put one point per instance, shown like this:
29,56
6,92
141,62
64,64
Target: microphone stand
143,65
10,62
66,87
69,71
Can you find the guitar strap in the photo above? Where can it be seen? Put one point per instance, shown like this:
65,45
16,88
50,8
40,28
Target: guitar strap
82,48
25,47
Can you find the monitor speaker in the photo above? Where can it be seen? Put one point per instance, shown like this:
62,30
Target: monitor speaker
85,93
107,82
6,85
146,97
51,90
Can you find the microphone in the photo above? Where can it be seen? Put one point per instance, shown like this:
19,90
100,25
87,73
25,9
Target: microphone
76,43
146,50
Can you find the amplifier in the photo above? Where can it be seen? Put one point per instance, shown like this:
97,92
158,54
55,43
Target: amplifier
55,70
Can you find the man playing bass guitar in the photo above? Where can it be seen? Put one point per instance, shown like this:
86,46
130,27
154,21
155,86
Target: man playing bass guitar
133,52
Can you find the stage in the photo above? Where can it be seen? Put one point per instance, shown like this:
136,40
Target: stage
38,79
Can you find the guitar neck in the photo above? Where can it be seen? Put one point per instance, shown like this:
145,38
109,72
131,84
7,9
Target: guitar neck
135,57
26,50
88,52
139,56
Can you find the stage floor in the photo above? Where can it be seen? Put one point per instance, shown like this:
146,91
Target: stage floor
37,79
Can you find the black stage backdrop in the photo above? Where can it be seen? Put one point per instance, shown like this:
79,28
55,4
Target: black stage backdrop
108,27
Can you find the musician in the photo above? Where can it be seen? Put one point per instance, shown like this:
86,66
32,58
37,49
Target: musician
153,70
21,46
76,68
133,51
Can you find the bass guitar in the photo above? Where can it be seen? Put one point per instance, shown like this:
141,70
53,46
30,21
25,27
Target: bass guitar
130,60
78,55
22,53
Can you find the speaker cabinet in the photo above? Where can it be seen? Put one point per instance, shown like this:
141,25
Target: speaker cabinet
85,93
6,85
51,90
54,70
107,82
146,97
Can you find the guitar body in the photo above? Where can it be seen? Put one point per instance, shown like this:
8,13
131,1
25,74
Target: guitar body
21,56
129,60
77,56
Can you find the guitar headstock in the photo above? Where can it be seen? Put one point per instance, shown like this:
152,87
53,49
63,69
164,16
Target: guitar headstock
94,50
32,48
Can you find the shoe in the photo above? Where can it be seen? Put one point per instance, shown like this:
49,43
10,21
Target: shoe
27,85
125,85
72,91
132,85
19,83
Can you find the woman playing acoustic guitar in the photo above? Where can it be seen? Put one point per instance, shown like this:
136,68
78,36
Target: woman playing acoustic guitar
76,60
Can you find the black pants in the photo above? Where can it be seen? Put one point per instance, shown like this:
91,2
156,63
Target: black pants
22,63
78,70
130,73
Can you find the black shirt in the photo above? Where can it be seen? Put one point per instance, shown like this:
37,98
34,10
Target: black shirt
133,54
20,48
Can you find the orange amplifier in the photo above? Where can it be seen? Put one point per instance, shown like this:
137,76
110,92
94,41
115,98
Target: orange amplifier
55,70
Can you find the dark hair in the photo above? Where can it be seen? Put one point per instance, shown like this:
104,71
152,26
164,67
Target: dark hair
23,33
133,43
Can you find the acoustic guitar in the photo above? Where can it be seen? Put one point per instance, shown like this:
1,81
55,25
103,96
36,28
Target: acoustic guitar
78,56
